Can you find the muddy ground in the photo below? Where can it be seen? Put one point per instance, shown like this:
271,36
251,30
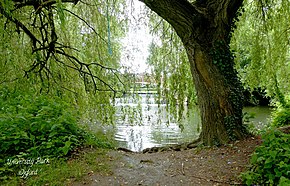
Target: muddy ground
199,166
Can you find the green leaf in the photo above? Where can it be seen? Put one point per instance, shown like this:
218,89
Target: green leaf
66,148
273,154
284,181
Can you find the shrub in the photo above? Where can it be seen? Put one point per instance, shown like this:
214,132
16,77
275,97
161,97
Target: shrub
39,126
270,163
281,117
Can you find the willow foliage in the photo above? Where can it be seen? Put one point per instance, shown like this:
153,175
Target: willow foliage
171,69
82,67
90,32
262,44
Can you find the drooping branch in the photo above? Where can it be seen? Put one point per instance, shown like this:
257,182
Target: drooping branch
39,4
21,25
46,47
82,71
78,65
92,28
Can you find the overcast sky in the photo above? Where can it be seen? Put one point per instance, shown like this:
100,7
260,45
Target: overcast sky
136,43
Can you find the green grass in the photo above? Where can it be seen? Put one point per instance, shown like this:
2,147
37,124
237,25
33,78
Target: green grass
64,172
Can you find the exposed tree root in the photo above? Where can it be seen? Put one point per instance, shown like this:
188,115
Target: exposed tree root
125,150
177,147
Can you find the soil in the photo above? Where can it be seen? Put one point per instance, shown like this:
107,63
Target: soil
198,166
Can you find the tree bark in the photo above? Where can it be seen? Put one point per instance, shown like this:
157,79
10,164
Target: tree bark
205,29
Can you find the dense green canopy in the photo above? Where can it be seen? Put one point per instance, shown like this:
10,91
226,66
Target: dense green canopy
73,51
261,42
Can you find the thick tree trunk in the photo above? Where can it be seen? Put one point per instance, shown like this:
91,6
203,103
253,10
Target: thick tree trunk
204,28
219,94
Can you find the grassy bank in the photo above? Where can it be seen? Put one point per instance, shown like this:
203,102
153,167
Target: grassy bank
40,135
62,171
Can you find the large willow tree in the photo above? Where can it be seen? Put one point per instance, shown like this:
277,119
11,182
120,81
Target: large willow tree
261,44
205,29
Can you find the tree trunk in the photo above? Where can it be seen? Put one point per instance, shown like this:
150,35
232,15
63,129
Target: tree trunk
205,28
219,94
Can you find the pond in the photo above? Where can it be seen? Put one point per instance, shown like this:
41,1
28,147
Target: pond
151,125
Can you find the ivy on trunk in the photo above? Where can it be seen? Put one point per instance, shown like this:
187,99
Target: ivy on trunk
205,29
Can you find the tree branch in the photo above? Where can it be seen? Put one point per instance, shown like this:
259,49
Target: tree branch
45,44
20,25
193,20
182,15
86,24
84,72
234,6
223,13
37,4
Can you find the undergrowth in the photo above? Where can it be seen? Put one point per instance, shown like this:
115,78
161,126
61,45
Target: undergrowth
281,116
34,129
60,172
270,163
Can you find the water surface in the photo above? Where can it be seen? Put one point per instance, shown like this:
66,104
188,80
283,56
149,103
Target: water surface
151,125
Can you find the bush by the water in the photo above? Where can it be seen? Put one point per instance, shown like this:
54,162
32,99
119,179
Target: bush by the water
39,126
270,163
281,117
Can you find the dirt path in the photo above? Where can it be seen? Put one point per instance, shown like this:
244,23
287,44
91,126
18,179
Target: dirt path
208,166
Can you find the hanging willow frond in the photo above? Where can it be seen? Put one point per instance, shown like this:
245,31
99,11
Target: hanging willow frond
46,45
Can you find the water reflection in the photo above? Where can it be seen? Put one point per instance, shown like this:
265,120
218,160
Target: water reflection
149,124
261,115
